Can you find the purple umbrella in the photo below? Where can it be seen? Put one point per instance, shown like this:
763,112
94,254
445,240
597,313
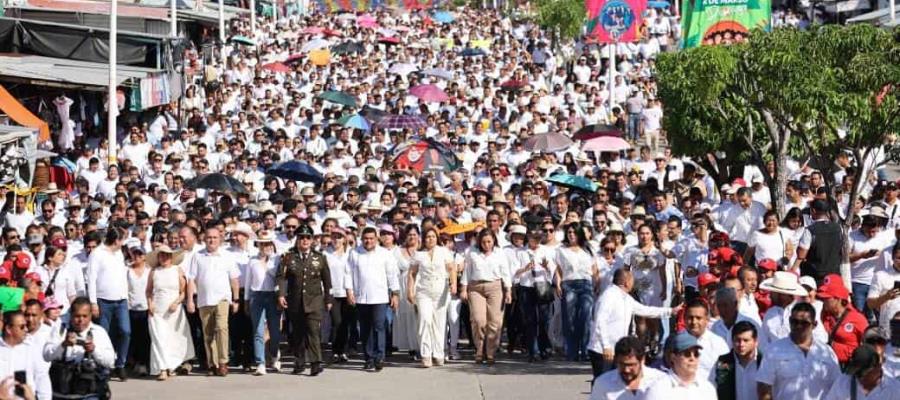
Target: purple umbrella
429,93
401,122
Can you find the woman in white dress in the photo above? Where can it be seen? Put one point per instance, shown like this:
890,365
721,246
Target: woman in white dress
170,335
405,334
427,289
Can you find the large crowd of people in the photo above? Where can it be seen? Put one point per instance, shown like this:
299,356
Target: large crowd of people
669,284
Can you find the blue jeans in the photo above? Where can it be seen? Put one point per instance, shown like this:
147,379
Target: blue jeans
579,300
860,294
114,314
264,312
634,121
372,321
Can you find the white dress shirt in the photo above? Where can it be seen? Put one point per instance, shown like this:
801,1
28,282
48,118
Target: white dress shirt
724,332
776,324
740,223
883,282
107,275
486,267
610,386
795,375
538,274
63,285
371,275
615,310
337,267
670,387
259,276
42,385
713,348
212,274
104,354
20,357
887,389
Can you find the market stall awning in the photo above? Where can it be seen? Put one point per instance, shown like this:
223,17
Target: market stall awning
877,17
18,113
66,73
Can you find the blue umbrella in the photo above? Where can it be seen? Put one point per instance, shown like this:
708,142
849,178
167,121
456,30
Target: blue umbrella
573,181
296,171
658,4
443,17
354,121
470,52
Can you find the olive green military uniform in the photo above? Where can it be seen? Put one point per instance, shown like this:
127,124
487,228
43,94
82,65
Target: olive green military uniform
305,282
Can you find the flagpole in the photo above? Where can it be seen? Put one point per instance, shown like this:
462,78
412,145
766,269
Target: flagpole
222,35
113,105
612,66
173,10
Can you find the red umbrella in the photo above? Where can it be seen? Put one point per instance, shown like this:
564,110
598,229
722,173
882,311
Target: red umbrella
313,30
276,67
331,32
429,93
513,84
389,40
294,58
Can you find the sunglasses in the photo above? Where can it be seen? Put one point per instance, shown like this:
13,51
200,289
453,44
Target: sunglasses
800,322
694,352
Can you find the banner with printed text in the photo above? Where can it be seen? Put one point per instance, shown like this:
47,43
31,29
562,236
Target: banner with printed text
711,22
611,21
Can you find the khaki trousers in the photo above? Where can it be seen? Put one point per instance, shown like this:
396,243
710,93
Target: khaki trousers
215,333
485,307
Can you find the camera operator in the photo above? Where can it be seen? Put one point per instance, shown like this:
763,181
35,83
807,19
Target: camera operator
17,359
81,356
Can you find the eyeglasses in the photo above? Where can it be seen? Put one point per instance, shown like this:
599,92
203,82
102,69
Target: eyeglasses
548,230
694,352
609,249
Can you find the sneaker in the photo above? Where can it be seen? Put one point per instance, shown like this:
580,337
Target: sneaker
439,362
260,370
276,365
121,374
426,362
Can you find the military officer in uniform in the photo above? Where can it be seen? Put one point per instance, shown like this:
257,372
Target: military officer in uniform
304,290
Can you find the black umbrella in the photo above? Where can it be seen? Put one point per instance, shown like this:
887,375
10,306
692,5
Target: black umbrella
218,182
373,115
348,47
296,171
588,132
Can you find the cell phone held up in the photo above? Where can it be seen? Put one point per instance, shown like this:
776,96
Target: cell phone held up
21,379
896,285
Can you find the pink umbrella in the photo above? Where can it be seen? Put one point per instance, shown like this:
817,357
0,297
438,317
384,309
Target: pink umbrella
429,93
276,67
605,143
366,21
313,30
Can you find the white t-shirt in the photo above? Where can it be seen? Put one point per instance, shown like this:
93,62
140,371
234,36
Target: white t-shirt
769,245
862,270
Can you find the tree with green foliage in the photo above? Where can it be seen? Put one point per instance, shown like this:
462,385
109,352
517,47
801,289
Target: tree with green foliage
564,18
806,94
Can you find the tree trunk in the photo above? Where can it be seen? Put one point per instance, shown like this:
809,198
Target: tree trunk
780,140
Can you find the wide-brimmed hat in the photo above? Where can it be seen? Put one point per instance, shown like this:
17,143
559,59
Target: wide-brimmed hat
785,283
153,257
516,230
262,206
265,237
51,188
373,205
242,228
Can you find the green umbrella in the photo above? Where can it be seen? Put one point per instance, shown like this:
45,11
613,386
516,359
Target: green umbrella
348,48
573,181
243,40
339,98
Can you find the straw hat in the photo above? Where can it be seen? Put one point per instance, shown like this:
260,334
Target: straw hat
51,188
785,283
265,237
153,257
242,228
373,205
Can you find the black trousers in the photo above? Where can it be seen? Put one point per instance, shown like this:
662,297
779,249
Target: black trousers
598,366
240,337
306,333
140,338
343,321
196,326
535,319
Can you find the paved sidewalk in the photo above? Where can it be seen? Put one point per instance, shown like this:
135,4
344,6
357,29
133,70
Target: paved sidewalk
462,380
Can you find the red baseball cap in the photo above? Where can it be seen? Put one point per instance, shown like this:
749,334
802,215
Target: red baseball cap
739,182
23,261
767,264
707,278
832,287
5,269
34,276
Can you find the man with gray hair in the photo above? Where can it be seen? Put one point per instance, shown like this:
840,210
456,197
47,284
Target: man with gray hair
729,314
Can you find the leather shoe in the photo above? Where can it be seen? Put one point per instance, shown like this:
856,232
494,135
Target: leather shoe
299,368
121,374
369,365
379,365
223,370
315,369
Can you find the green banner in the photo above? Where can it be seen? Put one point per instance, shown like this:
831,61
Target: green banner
710,22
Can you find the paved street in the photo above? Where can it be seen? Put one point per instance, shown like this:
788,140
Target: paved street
398,381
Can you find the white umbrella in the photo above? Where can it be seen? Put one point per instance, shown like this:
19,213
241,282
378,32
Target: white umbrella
314,44
347,17
403,69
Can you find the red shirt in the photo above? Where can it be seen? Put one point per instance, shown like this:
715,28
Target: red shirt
848,336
